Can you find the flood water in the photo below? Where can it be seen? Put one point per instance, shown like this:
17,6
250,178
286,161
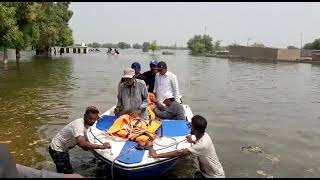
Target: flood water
274,106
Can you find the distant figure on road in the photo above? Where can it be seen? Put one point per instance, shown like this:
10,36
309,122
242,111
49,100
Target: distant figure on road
55,51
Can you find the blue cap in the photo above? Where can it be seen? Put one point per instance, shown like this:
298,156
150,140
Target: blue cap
136,66
155,62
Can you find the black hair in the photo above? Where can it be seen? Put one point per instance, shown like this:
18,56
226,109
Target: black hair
91,109
199,123
162,64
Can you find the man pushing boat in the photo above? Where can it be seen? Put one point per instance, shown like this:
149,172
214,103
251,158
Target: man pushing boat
71,135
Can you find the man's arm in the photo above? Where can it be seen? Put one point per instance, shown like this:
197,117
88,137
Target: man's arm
160,106
175,153
175,87
162,114
155,86
86,145
119,102
144,96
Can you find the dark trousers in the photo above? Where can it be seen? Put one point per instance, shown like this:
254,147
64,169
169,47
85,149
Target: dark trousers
198,175
62,161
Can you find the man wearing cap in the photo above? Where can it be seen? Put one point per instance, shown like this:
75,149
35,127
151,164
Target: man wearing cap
71,135
165,81
132,95
172,110
137,68
149,76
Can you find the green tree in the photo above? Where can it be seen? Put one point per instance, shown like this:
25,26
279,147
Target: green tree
26,17
154,46
145,46
123,45
315,45
9,31
136,46
52,25
201,44
109,45
94,45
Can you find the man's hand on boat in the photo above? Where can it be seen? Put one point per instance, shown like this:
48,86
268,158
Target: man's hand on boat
152,152
86,145
189,139
105,146
116,110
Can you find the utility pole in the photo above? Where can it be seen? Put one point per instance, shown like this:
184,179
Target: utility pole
204,38
205,31
300,40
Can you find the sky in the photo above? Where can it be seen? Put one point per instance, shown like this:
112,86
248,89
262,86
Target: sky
275,24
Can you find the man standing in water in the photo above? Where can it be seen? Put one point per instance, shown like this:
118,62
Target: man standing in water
71,135
202,147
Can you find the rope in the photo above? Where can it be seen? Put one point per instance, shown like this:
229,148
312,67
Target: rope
98,140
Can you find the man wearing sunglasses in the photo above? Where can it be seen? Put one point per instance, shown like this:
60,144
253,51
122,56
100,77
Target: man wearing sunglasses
165,82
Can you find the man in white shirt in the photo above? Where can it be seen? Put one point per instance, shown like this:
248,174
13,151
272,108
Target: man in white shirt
202,148
165,81
71,135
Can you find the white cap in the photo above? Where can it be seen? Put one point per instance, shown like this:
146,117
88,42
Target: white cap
128,73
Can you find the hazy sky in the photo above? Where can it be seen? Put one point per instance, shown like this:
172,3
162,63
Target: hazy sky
274,24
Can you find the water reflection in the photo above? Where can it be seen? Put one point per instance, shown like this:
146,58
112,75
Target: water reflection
274,106
27,102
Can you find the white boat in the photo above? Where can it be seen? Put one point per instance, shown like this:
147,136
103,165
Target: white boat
124,160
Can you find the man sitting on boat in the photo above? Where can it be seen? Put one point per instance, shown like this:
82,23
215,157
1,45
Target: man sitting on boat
165,81
172,110
71,135
132,96
203,148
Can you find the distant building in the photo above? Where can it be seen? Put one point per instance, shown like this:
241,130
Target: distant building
83,49
316,55
264,53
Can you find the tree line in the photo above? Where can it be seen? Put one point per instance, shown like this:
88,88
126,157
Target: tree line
122,45
38,25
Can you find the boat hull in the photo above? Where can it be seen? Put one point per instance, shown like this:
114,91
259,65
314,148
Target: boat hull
152,170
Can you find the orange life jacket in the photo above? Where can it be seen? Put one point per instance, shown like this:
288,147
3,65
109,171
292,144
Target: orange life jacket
151,100
129,128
